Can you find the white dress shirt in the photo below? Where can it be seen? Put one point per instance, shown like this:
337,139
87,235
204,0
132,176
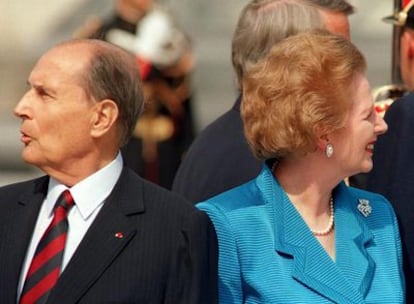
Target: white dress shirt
89,196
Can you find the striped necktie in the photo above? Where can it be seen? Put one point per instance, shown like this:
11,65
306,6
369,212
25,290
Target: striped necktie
46,264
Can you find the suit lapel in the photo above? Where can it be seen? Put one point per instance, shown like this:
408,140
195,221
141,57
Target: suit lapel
111,231
312,266
15,235
353,237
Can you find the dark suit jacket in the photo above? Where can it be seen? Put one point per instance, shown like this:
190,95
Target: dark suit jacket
393,176
219,159
168,253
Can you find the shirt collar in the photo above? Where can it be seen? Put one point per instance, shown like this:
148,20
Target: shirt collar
102,182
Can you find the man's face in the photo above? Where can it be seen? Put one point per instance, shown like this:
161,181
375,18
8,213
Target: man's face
336,23
56,112
141,5
406,57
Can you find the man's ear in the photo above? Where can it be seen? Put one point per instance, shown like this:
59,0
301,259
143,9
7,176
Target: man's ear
411,46
408,36
104,117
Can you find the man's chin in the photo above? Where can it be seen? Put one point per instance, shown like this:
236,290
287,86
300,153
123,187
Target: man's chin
29,158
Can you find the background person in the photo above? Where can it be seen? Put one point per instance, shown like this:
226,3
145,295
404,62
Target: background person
393,172
296,233
124,239
165,56
219,158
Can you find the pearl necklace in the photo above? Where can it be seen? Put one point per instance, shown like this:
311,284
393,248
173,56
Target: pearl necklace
330,227
331,217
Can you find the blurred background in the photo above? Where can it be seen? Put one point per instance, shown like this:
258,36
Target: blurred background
30,27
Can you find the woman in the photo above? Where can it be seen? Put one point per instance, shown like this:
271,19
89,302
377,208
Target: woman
297,233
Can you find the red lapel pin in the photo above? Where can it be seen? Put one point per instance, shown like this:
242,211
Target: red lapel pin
119,235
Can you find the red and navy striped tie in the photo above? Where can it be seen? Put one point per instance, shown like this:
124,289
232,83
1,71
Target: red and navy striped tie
46,264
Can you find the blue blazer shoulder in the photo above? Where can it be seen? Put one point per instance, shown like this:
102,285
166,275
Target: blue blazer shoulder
267,254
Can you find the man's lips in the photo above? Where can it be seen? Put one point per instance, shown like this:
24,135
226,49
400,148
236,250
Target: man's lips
24,138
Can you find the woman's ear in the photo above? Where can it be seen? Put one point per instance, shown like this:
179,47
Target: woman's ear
321,137
104,117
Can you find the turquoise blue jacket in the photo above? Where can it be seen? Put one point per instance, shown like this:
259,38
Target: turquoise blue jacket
267,254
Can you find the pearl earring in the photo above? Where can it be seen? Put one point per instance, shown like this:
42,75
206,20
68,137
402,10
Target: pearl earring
329,150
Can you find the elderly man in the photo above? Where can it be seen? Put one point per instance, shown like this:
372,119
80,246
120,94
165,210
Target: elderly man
111,237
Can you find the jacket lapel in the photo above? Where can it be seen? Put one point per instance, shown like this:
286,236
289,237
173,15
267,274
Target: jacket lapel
312,266
15,234
353,237
111,231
